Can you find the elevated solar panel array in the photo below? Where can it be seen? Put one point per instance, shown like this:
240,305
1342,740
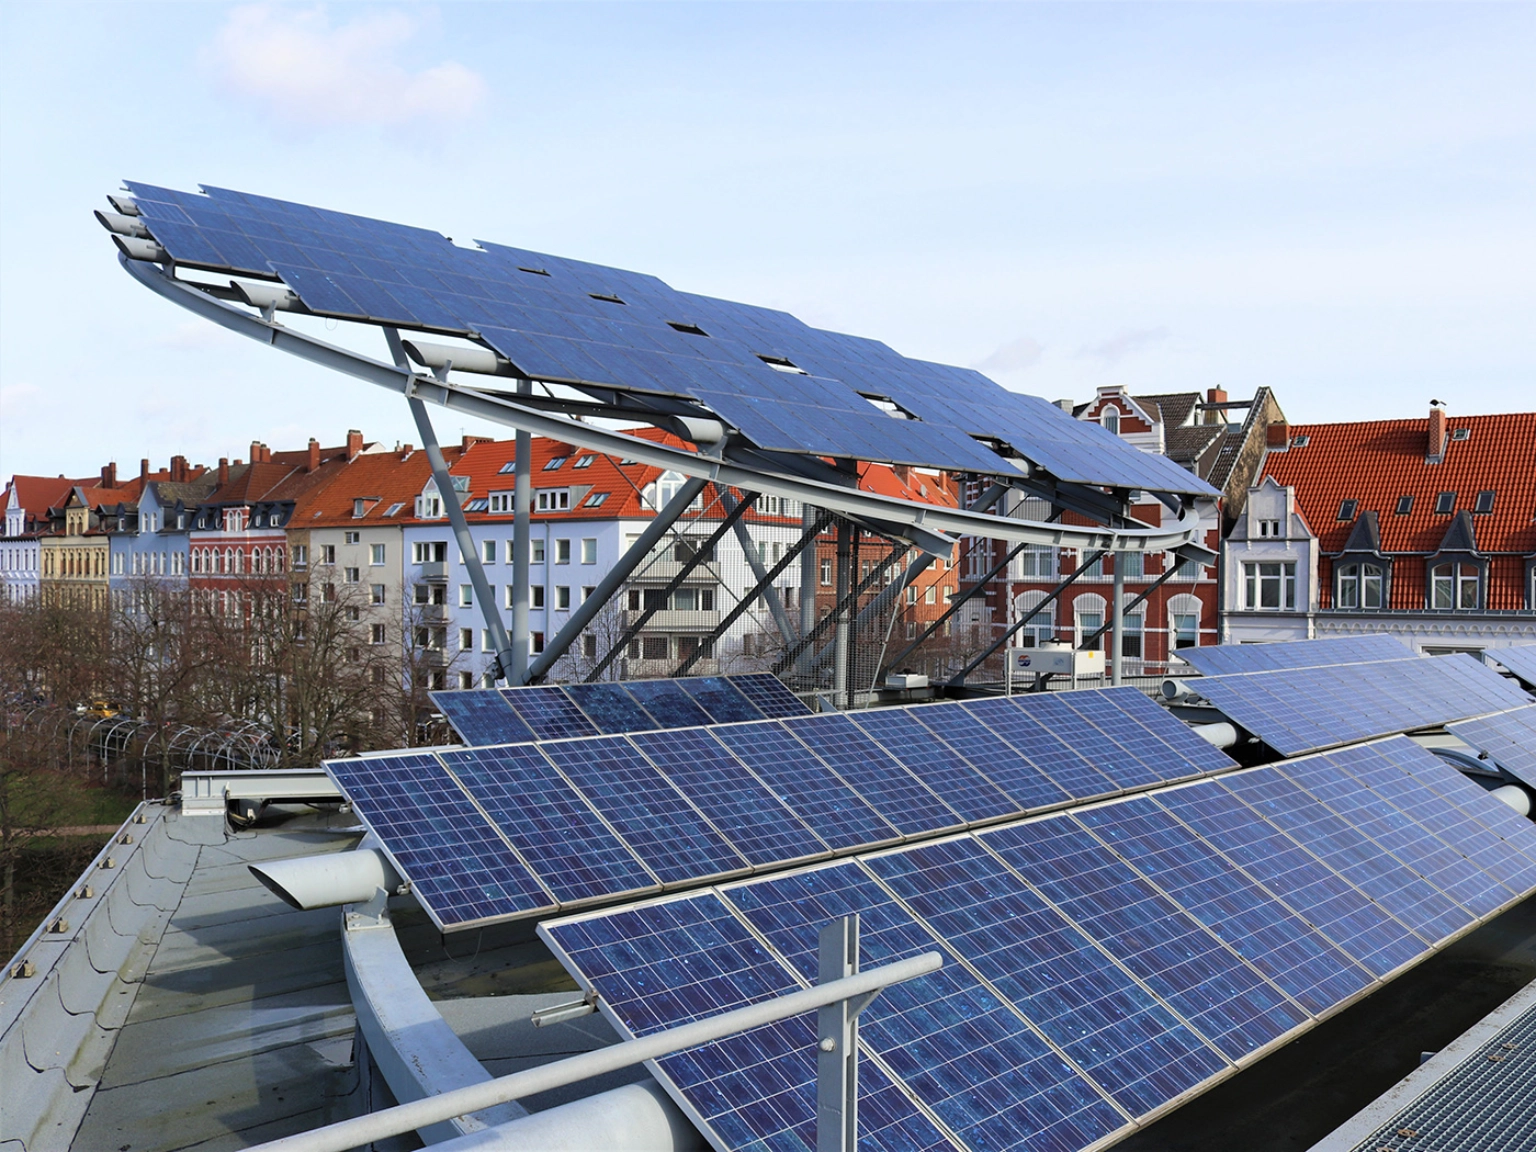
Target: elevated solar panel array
1101,964
495,833
485,716
1224,658
1296,710
784,385
1508,737
1519,659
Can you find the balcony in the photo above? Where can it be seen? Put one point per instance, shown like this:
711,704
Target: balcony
669,620
436,571
431,613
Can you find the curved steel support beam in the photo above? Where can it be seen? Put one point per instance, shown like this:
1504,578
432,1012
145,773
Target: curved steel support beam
473,402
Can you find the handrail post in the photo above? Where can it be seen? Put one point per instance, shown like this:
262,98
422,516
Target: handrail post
837,1042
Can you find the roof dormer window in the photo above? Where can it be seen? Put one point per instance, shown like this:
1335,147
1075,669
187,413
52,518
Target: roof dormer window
1347,509
1445,503
1404,505
1110,418
1483,504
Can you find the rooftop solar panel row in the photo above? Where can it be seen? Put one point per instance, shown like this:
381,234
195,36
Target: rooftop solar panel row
682,806
1100,964
567,321
486,716
1297,710
1224,658
1519,659
1509,738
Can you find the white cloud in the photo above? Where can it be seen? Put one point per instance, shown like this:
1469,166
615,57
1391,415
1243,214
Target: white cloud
1025,352
1123,344
296,64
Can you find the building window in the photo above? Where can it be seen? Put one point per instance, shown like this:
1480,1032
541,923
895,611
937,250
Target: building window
587,590
1130,638
536,552
1404,505
1037,560
376,555
1131,564
352,575
553,500
826,573
1454,586
562,598
589,646
1269,586
376,636
1110,418
1087,624
1360,586
466,596
1186,630
466,680
589,550
327,553
535,595
1347,509
351,537
583,462
654,647
488,551
553,463
1040,630
377,594
562,551
931,594
1445,503
1483,504
536,642
1189,570
466,639
597,499
1269,529
429,552
485,641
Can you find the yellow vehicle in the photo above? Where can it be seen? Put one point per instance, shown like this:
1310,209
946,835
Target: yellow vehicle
105,709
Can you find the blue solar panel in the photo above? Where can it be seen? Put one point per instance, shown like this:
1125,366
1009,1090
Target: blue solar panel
1102,734
1164,728
1229,903
936,764
1347,850
666,832
1509,737
1305,709
687,959
549,712
1341,912
1207,983
761,826
721,699
1088,1006
908,804
1382,773
1046,753
1396,832
968,1058
574,853
1438,777
1017,774
610,708
461,871
667,703
812,790
768,694
1519,659
1224,658
482,717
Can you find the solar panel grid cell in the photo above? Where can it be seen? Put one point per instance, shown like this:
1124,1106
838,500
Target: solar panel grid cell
967,1056
905,802
1441,779
571,850
1025,758
1345,849
482,717
721,699
459,867
667,704
549,712
664,830
1182,741
768,694
1156,761
1519,659
1224,658
757,823
1340,912
1388,826
610,708
936,764
1224,998
1509,738
1138,1052
1229,903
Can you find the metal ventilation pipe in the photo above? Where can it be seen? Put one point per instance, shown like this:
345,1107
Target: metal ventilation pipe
1222,735
308,882
265,296
439,356
1515,796
1175,689
122,224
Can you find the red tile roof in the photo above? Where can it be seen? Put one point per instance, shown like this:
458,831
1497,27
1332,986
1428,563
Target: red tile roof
1377,462
382,479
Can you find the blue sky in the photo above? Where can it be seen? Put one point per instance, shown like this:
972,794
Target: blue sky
1334,201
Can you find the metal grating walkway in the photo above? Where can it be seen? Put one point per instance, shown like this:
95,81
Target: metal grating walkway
1478,1095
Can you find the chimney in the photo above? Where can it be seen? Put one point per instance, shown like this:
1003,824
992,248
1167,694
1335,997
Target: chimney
178,469
1436,449
1216,415
1278,435
109,475
354,443
143,472
223,471
903,473
314,454
406,450
255,451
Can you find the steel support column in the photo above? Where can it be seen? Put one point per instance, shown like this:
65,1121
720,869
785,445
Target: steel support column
959,677
675,583
840,613
837,1040
522,530
1117,621
759,573
616,576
